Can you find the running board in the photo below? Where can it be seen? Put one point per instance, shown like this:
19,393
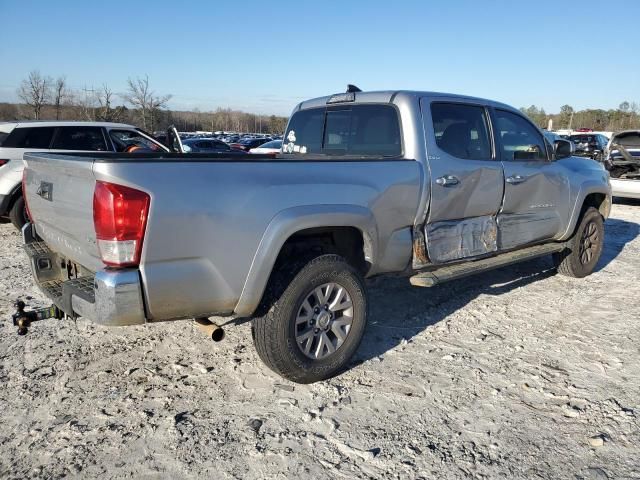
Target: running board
460,270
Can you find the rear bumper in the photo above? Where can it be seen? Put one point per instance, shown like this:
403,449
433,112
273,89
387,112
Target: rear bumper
109,297
625,188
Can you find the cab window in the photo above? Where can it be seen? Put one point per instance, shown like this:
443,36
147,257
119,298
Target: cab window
461,130
30,137
358,130
519,139
124,140
79,138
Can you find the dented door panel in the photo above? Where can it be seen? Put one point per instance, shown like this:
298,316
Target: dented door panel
466,194
534,208
455,239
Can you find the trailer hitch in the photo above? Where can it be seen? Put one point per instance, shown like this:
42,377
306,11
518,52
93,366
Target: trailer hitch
23,319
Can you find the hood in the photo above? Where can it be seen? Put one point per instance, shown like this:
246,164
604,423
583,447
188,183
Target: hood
628,139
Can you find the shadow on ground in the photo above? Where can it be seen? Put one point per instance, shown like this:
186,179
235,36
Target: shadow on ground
398,311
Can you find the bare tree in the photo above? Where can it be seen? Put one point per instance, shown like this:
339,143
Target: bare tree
60,94
106,112
86,102
35,92
140,96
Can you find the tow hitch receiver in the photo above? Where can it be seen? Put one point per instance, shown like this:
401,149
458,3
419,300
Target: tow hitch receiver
23,320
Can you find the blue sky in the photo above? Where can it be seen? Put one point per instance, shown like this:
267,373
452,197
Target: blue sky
266,56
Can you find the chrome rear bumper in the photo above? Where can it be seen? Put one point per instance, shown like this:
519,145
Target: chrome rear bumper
110,297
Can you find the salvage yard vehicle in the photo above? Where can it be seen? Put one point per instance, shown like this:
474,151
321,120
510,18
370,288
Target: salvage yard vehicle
623,162
590,145
48,136
433,186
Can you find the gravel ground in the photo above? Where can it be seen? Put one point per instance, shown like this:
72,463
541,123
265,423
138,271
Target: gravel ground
518,373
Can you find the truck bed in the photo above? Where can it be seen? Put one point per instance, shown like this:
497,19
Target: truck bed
215,223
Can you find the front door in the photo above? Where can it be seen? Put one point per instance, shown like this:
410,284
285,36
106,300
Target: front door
466,180
536,194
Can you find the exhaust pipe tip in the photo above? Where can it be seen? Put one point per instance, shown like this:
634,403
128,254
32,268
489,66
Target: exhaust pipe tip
210,329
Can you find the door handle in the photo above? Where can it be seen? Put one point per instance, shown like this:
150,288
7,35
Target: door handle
447,180
515,179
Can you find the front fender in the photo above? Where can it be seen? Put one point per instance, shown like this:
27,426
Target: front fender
587,188
290,221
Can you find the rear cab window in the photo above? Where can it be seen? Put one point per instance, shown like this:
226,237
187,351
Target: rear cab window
29,137
365,130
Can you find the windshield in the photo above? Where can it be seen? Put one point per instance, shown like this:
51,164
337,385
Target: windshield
627,139
583,138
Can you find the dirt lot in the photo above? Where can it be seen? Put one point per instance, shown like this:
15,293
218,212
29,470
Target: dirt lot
519,373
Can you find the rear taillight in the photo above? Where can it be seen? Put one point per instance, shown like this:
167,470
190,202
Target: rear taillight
3,161
24,192
119,217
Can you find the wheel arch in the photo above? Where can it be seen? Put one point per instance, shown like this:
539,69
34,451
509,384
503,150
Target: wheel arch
352,227
590,196
13,196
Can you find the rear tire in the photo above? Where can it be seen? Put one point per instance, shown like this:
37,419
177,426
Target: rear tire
18,213
585,247
314,319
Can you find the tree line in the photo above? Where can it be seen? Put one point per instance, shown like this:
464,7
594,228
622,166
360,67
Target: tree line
625,117
45,98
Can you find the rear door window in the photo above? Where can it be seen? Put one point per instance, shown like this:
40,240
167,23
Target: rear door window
30,137
359,130
462,130
79,138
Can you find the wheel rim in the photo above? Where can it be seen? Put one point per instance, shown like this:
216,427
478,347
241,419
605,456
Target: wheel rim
589,243
324,320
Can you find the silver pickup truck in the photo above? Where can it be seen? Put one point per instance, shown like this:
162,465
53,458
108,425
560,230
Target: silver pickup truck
433,186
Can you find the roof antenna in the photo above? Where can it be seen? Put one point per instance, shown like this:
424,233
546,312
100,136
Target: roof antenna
352,89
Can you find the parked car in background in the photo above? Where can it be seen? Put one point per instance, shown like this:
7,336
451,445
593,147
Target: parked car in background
45,136
552,136
623,162
433,186
249,143
205,145
270,148
592,145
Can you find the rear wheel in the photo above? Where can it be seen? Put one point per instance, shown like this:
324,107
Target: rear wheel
584,249
315,320
18,213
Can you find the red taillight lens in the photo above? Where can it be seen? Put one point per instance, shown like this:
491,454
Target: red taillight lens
24,192
119,217
3,161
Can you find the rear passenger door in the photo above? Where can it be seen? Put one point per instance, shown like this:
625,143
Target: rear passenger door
536,195
466,180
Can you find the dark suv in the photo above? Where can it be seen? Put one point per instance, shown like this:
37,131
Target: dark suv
590,145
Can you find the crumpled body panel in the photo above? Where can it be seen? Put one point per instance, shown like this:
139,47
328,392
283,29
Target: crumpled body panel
455,239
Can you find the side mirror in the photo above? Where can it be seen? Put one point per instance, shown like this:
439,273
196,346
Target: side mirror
563,149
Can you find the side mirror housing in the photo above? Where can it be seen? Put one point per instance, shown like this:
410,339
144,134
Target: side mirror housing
563,149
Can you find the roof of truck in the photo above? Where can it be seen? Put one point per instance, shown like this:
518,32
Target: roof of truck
65,123
388,96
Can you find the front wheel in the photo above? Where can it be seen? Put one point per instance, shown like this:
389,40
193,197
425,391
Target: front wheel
585,247
315,319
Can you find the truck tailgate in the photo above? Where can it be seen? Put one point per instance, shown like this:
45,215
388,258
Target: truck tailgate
59,193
